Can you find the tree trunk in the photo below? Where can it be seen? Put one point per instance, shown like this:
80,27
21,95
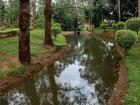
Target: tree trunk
34,12
119,10
24,34
47,12
138,8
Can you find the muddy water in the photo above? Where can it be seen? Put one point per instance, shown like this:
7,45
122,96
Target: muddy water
84,77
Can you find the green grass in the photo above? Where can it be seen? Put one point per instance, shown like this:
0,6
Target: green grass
99,30
17,71
10,45
132,61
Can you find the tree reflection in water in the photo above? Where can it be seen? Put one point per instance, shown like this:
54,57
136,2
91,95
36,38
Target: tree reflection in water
84,77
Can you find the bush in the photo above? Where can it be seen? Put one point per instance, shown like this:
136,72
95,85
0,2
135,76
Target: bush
139,36
133,24
54,24
126,38
120,25
104,26
114,26
10,32
56,30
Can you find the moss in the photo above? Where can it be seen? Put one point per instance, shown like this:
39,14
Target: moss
132,61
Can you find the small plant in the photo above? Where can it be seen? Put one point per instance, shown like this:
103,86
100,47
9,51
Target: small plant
56,30
133,24
139,36
114,26
120,25
104,26
126,38
54,24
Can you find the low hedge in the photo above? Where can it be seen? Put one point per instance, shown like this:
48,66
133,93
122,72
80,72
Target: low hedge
104,26
133,24
120,25
126,38
114,26
9,32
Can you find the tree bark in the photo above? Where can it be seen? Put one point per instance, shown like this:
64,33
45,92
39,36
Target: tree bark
119,10
24,34
47,12
34,12
138,8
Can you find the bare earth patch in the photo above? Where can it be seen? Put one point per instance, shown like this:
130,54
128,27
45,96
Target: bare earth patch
8,62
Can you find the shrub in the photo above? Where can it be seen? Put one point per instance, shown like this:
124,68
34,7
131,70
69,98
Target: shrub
114,26
10,32
126,38
56,30
133,24
54,24
139,36
120,25
104,26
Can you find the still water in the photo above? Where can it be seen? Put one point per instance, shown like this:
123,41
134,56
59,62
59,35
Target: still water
84,77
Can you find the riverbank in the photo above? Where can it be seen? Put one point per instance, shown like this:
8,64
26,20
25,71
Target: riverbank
121,87
37,65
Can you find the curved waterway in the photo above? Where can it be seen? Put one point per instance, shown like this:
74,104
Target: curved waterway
85,76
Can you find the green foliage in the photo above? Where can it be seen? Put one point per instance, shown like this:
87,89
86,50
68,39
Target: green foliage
41,21
9,32
60,40
133,24
139,36
132,62
126,38
114,26
56,29
104,26
54,24
17,71
120,25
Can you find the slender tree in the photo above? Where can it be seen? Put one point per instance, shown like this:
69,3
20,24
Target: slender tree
138,8
24,35
119,10
47,12
34,12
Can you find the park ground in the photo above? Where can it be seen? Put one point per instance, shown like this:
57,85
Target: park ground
10,65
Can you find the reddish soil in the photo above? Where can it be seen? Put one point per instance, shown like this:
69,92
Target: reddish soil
121,87
8,62
37,65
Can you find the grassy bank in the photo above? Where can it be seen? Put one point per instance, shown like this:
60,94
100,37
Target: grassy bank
9,50
99,30
132,61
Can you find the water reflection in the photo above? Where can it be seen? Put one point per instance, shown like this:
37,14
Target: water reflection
84,77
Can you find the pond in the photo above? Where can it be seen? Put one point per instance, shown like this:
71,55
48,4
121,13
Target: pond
85,76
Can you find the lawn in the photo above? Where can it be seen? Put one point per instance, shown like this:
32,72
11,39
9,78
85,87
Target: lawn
10,45
132,61
9,49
